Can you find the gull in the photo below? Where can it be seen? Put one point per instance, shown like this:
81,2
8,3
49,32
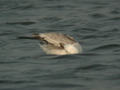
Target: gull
56,43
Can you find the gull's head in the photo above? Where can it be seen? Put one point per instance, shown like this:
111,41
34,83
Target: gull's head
73,48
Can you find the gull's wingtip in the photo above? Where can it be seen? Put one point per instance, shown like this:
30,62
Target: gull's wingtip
33,36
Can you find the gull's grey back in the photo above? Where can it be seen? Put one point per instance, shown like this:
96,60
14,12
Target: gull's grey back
57,38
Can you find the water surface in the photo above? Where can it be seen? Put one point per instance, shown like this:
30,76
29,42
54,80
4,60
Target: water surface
94,23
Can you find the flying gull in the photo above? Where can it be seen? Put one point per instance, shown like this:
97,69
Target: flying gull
56,43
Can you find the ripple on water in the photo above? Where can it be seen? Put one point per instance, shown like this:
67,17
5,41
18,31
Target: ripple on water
15,81
21,23
114,19
98,15
107,47
93,67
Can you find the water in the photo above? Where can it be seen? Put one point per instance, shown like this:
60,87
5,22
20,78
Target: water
94,23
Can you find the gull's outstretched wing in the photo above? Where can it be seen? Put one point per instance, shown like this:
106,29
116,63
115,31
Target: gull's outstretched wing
56,39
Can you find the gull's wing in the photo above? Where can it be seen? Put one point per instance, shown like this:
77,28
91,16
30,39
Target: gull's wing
56,38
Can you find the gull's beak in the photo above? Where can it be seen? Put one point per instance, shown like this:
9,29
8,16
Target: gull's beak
33,36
